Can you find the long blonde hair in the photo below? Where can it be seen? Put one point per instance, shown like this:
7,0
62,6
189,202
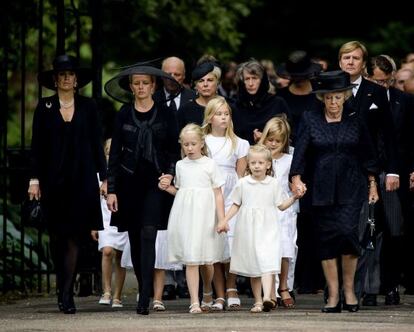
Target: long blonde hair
196,129
212,106
279,127
259,148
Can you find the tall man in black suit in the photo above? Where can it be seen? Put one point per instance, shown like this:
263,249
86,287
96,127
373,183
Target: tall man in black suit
370,101
175,99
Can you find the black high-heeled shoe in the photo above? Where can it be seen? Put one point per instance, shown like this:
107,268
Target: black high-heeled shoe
60,301
332,310
68,304
350,307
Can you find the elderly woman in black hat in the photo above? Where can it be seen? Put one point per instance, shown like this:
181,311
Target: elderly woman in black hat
335,146
67,154
254,105
206,77
144,148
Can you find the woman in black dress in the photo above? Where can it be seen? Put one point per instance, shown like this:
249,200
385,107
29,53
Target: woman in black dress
334,147
144,148
67,154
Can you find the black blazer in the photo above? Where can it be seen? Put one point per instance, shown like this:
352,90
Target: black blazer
371,104
336,159
402,111
89,158
126,138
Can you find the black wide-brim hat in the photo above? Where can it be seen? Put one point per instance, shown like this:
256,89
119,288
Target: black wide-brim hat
118,87
332,81
63,63
298,65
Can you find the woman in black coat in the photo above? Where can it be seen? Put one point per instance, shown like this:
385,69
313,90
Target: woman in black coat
254,105
144,148
334,148
67,154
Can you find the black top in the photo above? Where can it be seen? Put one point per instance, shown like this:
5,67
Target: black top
67,156
338,158
192,112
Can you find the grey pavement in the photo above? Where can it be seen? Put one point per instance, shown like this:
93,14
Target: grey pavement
41,314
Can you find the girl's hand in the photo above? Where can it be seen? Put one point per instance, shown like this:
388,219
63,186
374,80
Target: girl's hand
112,202
222,227
373,193
297,187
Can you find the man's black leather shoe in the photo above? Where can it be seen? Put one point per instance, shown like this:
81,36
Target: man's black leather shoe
392,297
369,300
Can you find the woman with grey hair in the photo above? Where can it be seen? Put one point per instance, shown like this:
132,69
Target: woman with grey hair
254,105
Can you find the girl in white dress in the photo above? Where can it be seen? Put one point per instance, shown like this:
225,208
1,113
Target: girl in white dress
229,152
276,138
256,249
111,243
192,237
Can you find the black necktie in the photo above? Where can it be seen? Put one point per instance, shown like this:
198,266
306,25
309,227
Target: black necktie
173,105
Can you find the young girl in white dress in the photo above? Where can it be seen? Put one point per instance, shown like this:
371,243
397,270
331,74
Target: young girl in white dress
111,243
229,152
276,138
256,249
192,236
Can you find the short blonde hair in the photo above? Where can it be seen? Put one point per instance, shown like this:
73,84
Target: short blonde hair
352,46
196,129
212,106
260,149
277,126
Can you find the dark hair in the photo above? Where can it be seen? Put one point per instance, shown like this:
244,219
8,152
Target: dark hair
383,63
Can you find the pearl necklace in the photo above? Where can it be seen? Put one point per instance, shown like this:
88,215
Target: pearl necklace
66,105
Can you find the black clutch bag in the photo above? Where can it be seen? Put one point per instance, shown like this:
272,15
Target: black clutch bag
32,214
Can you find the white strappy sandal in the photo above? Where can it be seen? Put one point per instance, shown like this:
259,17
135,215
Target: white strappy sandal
206,306
233,303
218,304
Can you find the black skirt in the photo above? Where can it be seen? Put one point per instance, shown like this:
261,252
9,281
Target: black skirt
338,230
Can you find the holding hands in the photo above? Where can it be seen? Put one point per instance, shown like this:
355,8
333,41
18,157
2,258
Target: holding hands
297,187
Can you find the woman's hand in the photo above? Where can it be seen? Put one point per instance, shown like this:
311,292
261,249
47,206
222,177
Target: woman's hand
95,235
165,181
34,189
297,187
412,181
257,134
112,202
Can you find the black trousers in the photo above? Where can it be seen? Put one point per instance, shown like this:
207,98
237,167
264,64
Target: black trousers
142,243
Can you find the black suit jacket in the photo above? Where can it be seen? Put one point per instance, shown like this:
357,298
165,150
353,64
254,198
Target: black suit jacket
371,104
402,111
336,159
186,96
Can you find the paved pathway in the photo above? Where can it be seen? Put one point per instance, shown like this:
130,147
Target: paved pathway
41,314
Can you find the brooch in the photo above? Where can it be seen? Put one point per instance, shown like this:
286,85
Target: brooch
48,104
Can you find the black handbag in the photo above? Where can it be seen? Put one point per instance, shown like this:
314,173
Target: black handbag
32,214
369,238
